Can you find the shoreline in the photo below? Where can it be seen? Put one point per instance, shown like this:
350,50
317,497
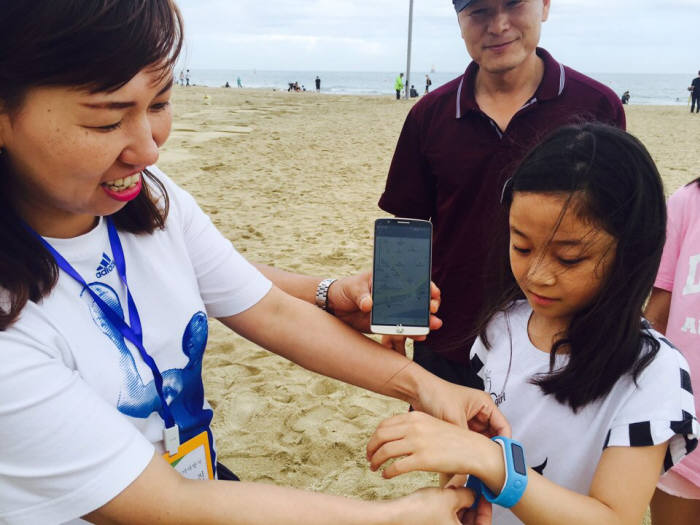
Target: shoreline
378,95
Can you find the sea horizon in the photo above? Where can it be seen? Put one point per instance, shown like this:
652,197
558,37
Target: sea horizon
645,88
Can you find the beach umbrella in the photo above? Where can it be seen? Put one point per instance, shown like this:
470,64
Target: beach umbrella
408,58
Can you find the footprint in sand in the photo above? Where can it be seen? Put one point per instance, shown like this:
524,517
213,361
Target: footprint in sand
324,387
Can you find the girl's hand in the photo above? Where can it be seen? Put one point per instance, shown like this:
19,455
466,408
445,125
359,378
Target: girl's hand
419,442
433,506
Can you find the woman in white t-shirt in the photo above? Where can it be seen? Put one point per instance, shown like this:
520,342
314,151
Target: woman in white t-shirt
108,273
599,403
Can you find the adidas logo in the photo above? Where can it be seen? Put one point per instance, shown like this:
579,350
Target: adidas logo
106,265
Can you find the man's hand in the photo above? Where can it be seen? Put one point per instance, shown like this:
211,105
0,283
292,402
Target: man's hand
350,300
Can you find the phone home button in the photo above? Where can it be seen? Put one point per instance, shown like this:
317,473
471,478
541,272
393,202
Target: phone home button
399,329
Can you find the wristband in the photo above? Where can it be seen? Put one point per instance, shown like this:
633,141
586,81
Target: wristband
516,476
322,293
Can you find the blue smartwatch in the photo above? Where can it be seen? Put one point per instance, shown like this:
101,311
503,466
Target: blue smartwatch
516,476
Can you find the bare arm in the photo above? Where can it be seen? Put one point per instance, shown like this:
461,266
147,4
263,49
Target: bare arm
620,493
161,495
319,342
300,286
622,486
349,298
658,308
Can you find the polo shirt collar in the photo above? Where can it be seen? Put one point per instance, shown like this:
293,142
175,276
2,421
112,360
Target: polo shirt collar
551,86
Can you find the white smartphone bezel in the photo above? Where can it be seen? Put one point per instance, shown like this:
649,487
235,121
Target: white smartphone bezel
400,329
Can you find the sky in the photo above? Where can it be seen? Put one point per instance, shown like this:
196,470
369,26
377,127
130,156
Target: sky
593,36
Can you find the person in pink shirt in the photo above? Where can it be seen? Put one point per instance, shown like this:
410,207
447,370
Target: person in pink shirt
674,309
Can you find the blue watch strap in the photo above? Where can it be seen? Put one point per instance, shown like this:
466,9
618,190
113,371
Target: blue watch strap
476,485
516,474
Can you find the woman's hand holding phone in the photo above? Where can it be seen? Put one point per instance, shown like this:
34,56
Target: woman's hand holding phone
350,300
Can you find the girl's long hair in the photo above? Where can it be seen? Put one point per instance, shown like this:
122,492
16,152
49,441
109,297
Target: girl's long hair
613,184
97,45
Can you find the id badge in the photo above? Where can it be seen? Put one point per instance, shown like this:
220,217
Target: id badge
193,458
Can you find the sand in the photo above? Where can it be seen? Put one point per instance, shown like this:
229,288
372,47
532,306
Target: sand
293,180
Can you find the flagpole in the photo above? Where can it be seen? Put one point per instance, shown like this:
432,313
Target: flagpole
408,58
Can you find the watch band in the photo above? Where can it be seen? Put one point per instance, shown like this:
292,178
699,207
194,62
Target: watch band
322,293
516,474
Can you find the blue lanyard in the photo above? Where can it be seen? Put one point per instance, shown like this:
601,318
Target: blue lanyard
133,333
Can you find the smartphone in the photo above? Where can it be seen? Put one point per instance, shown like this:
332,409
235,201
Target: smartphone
401,276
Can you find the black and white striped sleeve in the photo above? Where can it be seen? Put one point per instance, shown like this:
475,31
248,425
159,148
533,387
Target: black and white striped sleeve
661,409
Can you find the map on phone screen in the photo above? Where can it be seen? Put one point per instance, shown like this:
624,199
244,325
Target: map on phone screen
401,281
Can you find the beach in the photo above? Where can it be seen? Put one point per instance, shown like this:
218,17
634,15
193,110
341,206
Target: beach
293,179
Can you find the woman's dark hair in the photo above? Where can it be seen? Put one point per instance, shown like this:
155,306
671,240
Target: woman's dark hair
611,182
696,181
96,45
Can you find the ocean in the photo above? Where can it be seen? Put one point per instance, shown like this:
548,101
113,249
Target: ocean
645,89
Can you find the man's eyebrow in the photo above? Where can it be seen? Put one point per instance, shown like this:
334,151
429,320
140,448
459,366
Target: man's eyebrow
123,105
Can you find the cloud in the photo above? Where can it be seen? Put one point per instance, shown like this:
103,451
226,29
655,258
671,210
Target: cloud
370,35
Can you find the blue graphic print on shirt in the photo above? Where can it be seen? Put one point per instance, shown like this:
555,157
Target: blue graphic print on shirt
182,388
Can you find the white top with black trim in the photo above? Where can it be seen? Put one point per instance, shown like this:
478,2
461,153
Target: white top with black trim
566,447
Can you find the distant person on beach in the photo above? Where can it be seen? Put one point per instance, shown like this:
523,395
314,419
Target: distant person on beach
460,143
625,98
428,83
109,272
413,92
398,86
227,85
318,83
674,310
187,78
182,77
695,94
238,82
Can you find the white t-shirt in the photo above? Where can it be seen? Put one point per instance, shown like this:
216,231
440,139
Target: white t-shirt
78,406
566,447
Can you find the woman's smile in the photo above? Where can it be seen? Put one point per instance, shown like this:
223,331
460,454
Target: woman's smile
124,189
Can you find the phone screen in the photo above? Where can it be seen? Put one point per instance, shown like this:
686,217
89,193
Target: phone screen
401,279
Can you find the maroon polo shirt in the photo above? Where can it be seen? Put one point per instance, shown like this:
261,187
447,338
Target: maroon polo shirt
449,166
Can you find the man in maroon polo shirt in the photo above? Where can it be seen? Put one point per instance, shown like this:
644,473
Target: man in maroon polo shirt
459,145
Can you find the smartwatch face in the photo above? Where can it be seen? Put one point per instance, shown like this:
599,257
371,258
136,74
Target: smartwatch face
518,459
